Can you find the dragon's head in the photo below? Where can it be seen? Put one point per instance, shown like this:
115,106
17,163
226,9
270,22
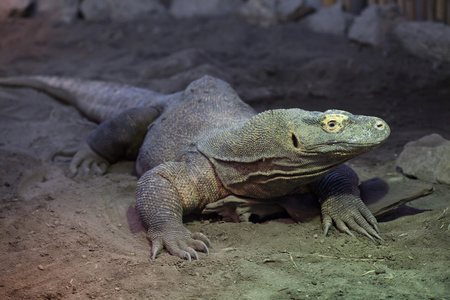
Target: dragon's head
272,149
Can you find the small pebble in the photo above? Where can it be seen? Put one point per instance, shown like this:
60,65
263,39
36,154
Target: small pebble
41,267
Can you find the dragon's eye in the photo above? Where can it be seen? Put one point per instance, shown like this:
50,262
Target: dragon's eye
331,123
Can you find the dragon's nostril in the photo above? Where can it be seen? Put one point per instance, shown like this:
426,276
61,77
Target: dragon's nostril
379,125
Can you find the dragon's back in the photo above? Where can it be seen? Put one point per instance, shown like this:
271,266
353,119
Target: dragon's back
206,106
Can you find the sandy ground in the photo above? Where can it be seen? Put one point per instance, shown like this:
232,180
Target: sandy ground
67,238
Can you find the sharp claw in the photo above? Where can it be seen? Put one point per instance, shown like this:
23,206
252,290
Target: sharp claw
201,246
85,170
375,226
73,172
370,237
347,231
155,253
103,166
195,255
201,237
379,237
327,223
156,247
97,170
373,232
186,255
206,250
325,230
74,168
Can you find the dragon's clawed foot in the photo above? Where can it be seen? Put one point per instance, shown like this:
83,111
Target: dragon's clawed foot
180,243
86,161
348,212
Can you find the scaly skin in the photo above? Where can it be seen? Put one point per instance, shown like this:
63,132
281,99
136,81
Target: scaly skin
204,144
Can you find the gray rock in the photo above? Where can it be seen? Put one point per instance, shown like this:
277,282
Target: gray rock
181,80
58,10
374,24
92,10
427,159
13,8
330,20
291,10
427,40
119,10
355,7
259,12
203,8
269,12
175,63
315,4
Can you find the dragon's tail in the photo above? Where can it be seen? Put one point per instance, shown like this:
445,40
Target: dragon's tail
97,100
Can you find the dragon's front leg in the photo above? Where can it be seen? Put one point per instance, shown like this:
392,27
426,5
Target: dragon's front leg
341,203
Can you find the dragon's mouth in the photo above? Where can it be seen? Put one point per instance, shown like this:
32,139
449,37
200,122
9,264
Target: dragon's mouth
342,148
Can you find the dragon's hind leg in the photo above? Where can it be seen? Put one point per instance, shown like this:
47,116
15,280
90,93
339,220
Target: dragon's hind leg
118,138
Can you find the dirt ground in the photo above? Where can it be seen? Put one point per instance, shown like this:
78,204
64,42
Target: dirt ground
67,238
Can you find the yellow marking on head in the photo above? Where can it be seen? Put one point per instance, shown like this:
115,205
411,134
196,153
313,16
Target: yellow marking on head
333,122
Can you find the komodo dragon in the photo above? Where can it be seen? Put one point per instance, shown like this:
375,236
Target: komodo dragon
201,145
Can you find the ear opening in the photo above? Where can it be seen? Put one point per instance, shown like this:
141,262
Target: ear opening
295,140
